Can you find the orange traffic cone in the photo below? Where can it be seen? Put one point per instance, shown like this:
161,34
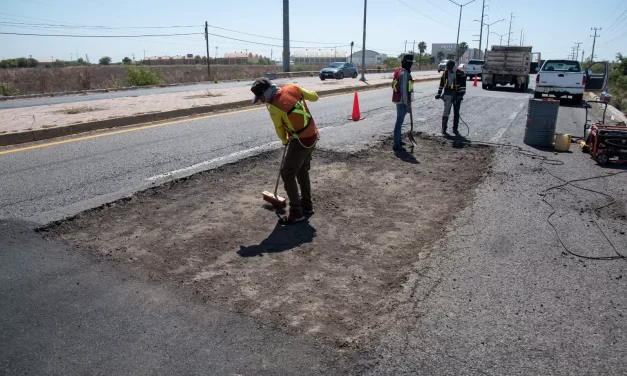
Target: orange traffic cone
475,83
356,114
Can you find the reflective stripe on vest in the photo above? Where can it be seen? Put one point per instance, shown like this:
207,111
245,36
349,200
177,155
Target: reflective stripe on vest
290,101
297,109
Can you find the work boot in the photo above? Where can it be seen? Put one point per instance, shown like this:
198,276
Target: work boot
456,124
444,125
307,209
292,217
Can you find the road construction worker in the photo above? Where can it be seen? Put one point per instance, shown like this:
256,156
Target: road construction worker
453,82
402,93
297,130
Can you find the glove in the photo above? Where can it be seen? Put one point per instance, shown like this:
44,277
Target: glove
437,96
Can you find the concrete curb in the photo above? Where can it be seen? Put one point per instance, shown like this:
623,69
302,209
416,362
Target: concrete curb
611,110
68,130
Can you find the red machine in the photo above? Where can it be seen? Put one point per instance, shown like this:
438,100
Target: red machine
604,142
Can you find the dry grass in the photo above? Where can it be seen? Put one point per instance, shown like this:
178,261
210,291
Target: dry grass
48,80
78,110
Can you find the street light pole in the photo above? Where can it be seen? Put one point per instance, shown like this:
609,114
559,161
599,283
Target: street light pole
459,25
286,35
487,44
363,51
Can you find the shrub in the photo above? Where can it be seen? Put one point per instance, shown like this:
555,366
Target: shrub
6,90
142,76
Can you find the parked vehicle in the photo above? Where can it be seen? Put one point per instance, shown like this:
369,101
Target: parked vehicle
507,65
473,68
338,70
442,66
561,78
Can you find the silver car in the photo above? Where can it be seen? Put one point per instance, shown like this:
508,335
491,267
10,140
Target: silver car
338,70
442,66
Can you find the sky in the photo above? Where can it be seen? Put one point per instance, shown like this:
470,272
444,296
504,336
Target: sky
552,28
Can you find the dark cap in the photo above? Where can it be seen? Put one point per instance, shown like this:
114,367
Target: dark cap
450,64
408,58
259,87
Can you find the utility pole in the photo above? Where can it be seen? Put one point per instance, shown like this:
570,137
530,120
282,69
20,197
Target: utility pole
521,37
286,35
405,46
578,44
509,35
413,47
459,24
144,55
481,30
487,43
595,36
363,51
208,56
572,55
217,54
71,59
583,53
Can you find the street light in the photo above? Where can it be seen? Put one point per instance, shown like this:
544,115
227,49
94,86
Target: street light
487,44
459,26
500,35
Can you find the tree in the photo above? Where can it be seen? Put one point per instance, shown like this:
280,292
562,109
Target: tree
450,56
126,61
105,60
422,46
391,62
461,49
440,55
32,63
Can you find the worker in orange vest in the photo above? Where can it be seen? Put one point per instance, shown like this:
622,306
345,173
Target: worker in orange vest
402,95
296,128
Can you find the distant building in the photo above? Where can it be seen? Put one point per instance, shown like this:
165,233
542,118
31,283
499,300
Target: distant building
175,60
372,58
318,56
445,48
241,58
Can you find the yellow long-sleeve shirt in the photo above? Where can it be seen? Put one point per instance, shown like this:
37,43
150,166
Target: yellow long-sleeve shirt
280,119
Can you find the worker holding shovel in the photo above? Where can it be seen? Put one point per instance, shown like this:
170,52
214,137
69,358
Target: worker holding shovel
297,130
402,92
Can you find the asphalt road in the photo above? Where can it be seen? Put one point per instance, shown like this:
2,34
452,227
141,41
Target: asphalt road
499,295
141,92
45,183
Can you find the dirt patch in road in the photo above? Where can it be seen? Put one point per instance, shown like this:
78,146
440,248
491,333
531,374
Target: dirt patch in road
334,277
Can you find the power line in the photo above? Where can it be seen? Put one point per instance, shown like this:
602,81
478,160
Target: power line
618,37
262,36
98,36
617,22
419,12
94,26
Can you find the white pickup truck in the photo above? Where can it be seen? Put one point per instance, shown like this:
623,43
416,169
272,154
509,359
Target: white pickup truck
472,68
560,78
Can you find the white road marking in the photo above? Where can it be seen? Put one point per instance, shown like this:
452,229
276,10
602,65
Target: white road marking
215,160
237,154
498,134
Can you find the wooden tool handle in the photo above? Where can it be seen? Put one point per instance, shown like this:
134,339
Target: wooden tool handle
276,188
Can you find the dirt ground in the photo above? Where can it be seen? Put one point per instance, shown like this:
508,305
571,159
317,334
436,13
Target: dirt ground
333,278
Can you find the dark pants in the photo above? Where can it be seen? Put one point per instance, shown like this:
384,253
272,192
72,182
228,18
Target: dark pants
451,100
296,168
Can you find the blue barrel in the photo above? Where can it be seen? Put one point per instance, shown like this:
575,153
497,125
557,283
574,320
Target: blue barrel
541,122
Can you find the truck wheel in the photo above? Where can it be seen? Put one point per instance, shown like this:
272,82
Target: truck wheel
602,158
578,98
537,95
484,86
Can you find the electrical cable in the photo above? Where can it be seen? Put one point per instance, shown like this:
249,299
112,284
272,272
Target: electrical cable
99,36
544,161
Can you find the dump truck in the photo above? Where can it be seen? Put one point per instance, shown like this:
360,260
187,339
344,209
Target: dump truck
507,65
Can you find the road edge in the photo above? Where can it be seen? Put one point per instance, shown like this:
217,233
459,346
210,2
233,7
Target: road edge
7,139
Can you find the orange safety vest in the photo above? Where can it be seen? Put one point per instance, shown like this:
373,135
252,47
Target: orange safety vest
290,100
397,95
